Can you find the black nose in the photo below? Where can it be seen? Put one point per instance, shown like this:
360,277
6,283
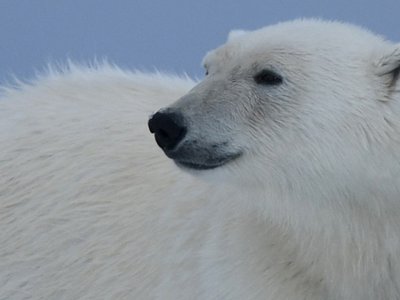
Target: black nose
168,129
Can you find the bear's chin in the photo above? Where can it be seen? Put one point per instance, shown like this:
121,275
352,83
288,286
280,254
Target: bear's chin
216,163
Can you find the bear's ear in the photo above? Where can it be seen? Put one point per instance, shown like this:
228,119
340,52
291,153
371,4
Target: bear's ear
388,65
235,34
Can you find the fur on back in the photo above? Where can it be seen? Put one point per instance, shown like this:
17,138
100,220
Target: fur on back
83,186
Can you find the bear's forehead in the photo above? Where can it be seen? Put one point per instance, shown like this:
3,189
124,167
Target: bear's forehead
299,38
235,54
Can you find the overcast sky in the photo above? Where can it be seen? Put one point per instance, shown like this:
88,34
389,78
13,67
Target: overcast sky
169,35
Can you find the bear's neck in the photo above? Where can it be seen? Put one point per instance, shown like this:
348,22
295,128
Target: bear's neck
343,235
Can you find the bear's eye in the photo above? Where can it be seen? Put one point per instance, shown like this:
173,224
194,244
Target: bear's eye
206,67
268,77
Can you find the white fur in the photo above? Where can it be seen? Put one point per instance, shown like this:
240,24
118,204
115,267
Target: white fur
90,208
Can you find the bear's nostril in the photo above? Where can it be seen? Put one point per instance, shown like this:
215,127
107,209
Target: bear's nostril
168,129
163,133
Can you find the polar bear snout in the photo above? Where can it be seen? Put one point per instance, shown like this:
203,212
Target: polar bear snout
187,148
168,129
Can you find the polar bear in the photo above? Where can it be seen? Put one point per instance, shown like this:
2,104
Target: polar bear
282,177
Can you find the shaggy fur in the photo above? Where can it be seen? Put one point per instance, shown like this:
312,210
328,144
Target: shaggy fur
90,208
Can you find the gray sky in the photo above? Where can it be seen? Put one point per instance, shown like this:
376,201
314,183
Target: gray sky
169,35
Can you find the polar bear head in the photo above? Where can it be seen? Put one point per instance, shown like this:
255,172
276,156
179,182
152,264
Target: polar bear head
300,98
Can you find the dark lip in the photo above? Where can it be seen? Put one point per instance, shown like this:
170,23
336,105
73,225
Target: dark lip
205,166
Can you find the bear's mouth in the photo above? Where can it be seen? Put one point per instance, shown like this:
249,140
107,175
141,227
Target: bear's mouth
214,163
